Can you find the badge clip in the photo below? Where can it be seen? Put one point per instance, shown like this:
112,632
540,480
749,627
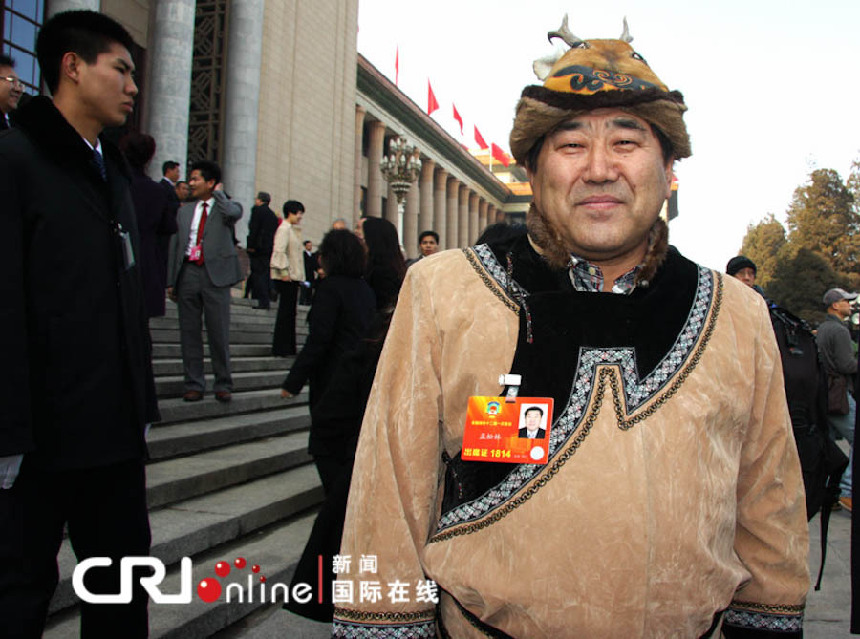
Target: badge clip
512,382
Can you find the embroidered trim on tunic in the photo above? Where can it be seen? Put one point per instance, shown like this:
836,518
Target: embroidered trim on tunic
408,625
675,367
346,630
485,263
744,614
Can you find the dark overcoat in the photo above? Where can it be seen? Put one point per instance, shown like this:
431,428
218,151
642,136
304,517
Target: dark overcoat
156,222
341,315
76,385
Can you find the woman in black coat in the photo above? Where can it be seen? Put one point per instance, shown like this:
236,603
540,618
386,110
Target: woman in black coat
341,315
386,267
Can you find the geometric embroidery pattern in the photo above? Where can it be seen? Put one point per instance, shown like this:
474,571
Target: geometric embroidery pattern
573,426
759,620
360,624
349,630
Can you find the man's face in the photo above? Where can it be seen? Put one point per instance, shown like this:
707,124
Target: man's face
746,275
428,245
842,308
200,188
295,218
532,419
182,191
172,174
106,88
600,182
10,92
308,246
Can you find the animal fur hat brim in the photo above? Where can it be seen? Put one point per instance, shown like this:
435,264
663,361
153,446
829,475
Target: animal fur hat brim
541,110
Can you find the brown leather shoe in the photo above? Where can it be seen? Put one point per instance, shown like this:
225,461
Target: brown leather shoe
845,502
192,396
223,396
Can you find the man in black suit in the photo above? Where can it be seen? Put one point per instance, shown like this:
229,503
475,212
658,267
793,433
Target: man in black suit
533,419
261,236
170,176
311,266
11,90
76,385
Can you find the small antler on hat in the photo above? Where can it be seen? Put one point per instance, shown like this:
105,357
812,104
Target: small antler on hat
625,35
564,33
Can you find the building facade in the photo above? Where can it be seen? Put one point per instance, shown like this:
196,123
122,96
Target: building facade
275,92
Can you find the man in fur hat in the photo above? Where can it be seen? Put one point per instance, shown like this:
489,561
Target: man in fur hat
671,500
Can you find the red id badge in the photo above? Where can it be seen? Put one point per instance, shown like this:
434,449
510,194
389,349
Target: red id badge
194,255
515,432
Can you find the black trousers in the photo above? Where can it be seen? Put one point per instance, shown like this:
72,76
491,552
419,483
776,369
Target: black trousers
284,340
260,279
105,509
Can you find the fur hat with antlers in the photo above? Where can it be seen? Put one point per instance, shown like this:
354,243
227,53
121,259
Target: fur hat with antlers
594,74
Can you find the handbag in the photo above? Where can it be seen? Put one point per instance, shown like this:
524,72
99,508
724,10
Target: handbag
837,394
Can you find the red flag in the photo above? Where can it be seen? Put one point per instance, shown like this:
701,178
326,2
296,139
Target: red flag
397,67
500,155
432,104
458,118
480,139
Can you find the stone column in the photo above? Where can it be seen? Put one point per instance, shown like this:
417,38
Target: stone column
242,105
359,145
482,215
374,176
463,216
439,207
410,221
453,205
58,6
474,230
491,214
169,84
425,217
391,212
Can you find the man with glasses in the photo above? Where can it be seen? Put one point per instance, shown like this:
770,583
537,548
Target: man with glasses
11,89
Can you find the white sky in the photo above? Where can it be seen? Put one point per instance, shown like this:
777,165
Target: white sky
772,87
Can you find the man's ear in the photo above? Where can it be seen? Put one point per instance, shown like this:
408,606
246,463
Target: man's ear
670,175
70,66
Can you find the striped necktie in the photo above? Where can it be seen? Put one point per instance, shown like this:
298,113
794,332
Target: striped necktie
99,162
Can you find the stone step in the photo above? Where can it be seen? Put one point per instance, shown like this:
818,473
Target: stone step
173,366
174,386
171,336
257,318
174,351
240,307
166,441
194,526
176,410
240,336
174,480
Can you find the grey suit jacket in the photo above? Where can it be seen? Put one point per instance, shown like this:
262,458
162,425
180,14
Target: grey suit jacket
219,252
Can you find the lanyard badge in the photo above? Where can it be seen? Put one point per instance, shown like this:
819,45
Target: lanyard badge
508,429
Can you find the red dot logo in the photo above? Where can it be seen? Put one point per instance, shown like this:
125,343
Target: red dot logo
255,568
262,579
240,562
209,590
222,569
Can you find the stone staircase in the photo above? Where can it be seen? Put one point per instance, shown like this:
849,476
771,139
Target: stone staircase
224,481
